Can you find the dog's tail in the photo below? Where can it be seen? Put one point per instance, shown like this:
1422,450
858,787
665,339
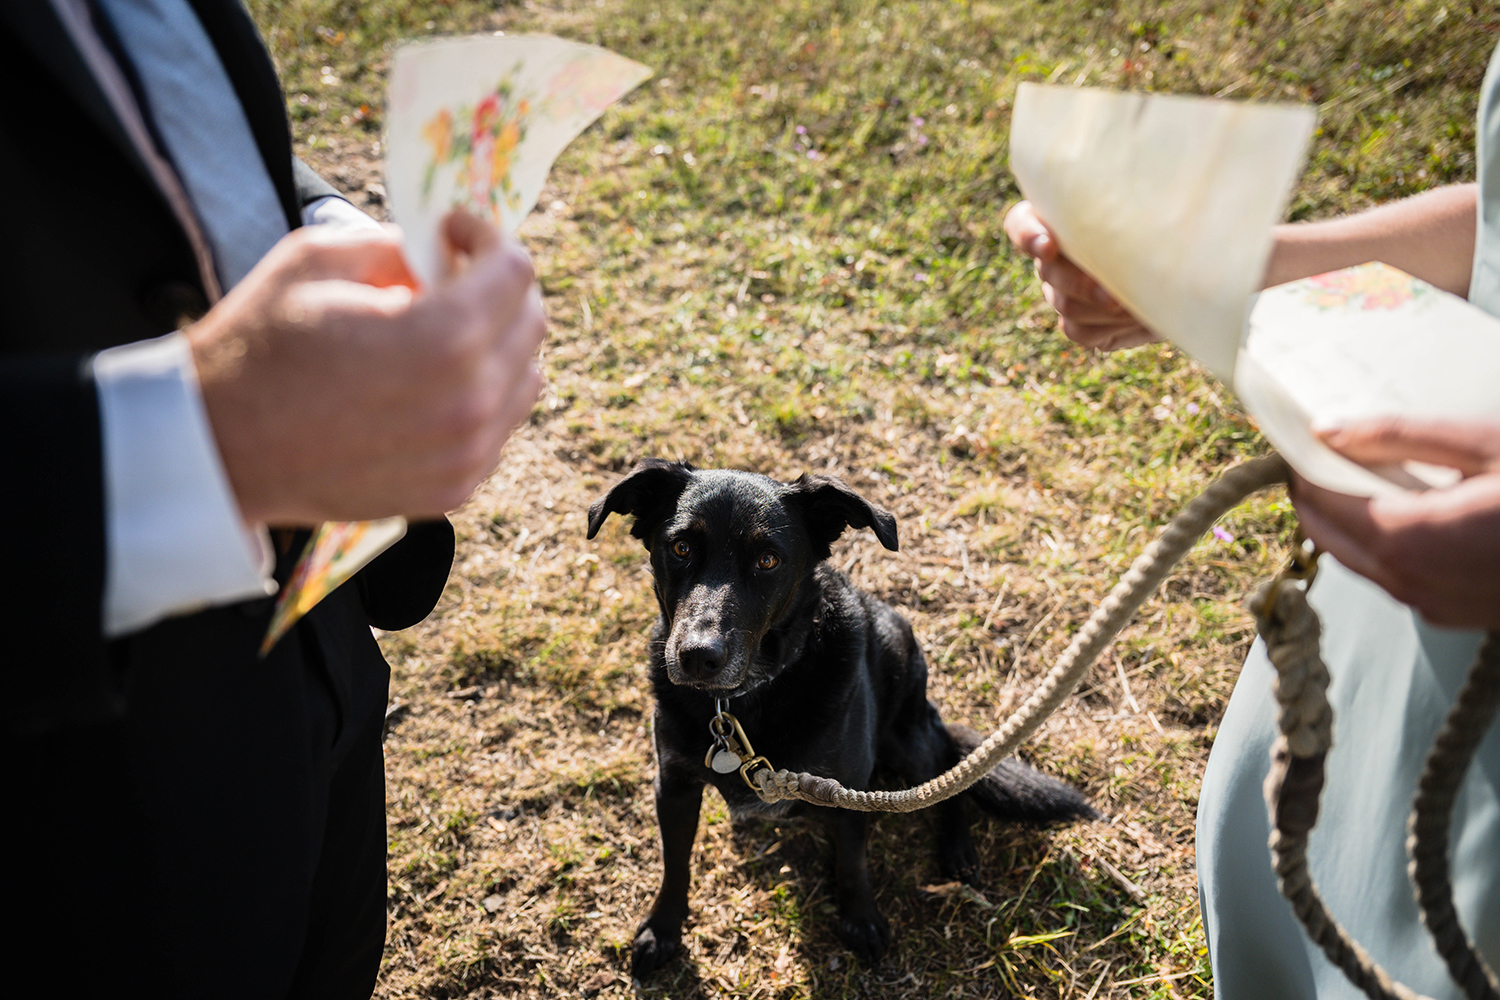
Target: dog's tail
1018,792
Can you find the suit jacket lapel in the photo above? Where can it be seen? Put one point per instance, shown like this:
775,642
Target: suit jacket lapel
37,26
245,59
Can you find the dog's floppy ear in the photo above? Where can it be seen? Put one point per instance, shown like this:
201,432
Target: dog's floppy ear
829,506
649,493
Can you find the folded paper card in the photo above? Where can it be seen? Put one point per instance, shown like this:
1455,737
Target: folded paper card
1169,202
477,122
334,553
473,123
1369,341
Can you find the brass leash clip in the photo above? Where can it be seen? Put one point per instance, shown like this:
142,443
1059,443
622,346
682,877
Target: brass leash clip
1301,568
730,749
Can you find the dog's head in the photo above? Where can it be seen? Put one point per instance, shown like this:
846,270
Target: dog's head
732,556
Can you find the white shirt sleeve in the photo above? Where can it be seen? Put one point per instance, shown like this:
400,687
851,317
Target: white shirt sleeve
331,211
174,538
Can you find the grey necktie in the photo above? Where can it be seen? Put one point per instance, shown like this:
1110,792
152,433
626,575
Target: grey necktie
198,117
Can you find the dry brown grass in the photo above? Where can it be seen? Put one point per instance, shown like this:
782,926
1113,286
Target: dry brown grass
520,763
858,315
523,840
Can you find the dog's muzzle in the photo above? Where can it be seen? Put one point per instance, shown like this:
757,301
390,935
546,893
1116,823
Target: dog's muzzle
704,649
705,658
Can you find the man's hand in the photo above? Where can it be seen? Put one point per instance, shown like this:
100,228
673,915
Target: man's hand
337,391
1438,551
1090,316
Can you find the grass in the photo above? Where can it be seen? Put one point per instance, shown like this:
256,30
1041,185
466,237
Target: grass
784,253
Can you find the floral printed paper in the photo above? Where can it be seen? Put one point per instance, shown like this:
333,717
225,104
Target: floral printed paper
477,122
1367,341
334,553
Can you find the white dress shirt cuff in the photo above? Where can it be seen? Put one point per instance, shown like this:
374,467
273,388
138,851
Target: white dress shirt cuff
175,540
331,211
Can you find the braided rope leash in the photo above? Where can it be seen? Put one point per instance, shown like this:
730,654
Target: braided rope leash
1291,631
1142,579
1305,722
1472,714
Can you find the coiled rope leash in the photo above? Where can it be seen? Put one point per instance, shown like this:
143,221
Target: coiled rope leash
1305,722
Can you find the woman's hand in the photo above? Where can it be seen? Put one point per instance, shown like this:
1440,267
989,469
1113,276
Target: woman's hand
1090,316
1438,551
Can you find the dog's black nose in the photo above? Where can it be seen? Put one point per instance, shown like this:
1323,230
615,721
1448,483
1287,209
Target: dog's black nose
701,656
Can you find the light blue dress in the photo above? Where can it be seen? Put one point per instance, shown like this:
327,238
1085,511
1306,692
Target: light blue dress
1393,681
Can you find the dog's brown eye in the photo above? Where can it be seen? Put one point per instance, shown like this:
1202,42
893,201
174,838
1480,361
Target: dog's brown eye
681,549
768,560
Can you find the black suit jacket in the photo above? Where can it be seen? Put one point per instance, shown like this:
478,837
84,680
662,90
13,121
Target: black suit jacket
94,257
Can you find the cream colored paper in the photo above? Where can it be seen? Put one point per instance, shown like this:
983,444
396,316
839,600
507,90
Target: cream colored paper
1169,201
476,122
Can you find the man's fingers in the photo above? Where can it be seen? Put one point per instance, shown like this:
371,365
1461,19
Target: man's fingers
457,470
520,398
367,256
468,234
1391,440
338,303
501,282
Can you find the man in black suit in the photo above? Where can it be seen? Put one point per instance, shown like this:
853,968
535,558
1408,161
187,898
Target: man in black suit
193,820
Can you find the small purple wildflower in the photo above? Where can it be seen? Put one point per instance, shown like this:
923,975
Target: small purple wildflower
1193,408
918,120
1222,534
801,129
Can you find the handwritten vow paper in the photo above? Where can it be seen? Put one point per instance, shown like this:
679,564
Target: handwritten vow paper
473,123
1169,202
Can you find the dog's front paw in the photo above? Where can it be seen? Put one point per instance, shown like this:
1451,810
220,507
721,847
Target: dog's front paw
867,935
655,944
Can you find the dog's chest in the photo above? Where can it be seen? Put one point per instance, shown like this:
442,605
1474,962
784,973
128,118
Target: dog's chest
742,801
837,744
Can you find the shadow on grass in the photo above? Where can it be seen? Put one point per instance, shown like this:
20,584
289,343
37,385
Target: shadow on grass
946,939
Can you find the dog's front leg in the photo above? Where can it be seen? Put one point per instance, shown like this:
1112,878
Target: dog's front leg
862,928
677,803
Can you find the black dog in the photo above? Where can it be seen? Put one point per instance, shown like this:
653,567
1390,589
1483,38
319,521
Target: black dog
822,676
